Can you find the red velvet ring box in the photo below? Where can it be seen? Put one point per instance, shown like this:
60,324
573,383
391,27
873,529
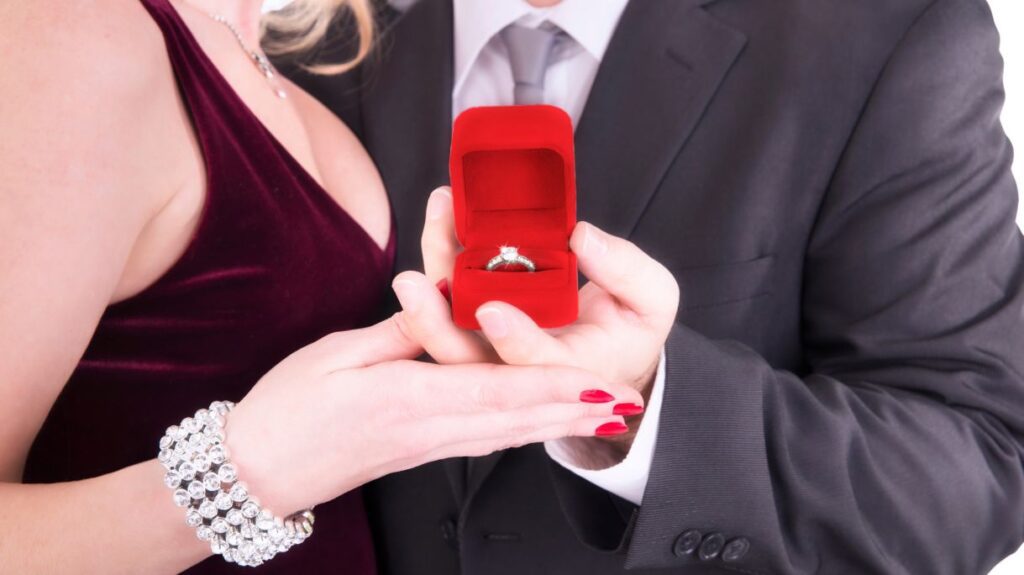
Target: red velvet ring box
513,181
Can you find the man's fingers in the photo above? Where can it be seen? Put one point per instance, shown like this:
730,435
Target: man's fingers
426,318
626,272
438,242
518,340
378,343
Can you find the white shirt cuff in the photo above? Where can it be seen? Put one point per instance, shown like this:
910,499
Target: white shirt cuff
627,479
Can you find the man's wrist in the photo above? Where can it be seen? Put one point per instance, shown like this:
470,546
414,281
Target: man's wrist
618,469
616,447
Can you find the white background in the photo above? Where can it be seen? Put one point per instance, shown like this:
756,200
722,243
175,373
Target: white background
1010,20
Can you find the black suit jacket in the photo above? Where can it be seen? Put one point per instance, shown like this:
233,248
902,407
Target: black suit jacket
831,186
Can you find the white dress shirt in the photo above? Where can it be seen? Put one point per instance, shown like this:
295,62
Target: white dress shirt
483,77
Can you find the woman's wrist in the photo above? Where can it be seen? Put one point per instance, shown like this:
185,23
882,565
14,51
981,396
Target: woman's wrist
249,453
217,503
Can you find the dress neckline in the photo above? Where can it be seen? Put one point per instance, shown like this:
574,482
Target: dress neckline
289,158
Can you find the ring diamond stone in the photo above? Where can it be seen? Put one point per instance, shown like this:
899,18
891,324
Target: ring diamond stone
510,256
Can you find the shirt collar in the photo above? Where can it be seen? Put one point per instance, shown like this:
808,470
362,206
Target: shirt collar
590,22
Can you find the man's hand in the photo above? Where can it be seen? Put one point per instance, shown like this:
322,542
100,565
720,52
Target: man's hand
626,310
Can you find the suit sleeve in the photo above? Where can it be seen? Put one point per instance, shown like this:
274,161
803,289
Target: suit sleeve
899,449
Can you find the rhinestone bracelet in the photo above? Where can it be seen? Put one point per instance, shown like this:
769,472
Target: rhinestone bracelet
218,506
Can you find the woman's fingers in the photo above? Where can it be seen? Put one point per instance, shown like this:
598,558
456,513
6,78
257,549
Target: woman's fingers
439,243
518,435
427,390
422,410
518,340
626,272
426,318
378,343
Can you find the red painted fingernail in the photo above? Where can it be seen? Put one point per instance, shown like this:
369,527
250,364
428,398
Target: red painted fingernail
628,409
442,286
596,396
611,428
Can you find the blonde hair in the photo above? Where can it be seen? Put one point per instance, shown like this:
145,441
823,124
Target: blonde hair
299,27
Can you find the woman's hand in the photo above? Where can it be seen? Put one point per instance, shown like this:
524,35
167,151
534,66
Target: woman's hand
626,310
353,407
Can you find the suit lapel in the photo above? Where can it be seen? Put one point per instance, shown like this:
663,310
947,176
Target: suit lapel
478,468
409,136
407,115
662,68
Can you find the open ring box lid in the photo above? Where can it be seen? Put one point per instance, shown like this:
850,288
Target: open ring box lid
513,177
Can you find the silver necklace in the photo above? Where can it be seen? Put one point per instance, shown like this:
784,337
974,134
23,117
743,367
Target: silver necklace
257,57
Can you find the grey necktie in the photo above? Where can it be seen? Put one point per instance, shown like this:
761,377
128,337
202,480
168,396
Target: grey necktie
530,52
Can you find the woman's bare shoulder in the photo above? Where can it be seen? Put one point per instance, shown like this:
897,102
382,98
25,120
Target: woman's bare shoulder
87,81
80,46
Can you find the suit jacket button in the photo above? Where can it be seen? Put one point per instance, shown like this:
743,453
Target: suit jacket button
735,550
450,533
711,546
686,543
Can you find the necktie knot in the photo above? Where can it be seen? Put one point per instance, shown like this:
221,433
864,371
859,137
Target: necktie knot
530,52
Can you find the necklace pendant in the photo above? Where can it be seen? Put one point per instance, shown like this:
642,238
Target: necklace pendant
263,64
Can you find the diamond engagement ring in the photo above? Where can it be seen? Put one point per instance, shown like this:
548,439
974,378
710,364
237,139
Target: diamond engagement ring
510,256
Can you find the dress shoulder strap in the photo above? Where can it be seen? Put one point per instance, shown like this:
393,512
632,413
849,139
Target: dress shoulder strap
210,98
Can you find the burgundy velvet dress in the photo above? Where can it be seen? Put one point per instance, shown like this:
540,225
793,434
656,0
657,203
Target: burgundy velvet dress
274,265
